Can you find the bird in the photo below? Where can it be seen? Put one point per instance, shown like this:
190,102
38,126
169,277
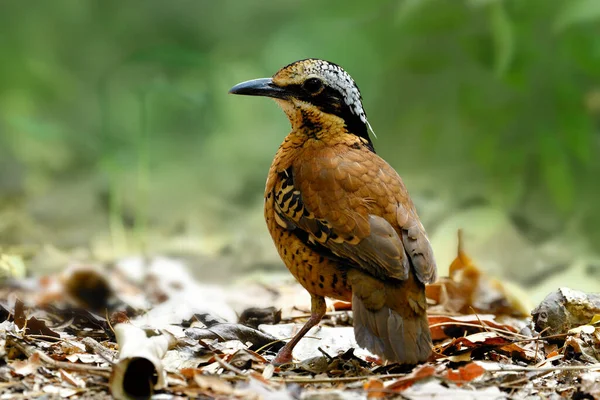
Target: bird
341,217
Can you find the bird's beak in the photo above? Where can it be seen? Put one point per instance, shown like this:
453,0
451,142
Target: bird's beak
259,87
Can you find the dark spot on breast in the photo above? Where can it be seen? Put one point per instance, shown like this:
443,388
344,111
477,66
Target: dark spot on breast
285,252
321,259
269,195
356,146
297,251
321,285
321,278
310,267
334,280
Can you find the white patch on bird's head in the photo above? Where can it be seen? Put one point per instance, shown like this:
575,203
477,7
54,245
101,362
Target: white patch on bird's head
334,76
337,78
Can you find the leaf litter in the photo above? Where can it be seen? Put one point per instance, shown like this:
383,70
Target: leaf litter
145,328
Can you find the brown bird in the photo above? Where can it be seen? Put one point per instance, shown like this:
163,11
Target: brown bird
340,216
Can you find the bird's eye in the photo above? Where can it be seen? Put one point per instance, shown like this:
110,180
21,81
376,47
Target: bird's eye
313,85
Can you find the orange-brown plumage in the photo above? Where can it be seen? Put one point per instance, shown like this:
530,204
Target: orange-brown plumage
340,216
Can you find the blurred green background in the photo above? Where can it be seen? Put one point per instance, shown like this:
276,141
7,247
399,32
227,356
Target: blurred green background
117,135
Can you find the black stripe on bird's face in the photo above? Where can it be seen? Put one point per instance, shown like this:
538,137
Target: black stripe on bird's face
330,101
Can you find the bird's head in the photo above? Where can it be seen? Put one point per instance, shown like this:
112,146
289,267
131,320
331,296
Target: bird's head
313,92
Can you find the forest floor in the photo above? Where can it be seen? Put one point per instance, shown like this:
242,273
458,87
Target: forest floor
141,328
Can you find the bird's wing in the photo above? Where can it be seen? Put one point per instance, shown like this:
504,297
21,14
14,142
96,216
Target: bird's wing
355,205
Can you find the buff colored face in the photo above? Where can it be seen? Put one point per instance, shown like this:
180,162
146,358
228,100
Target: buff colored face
313,83
318,77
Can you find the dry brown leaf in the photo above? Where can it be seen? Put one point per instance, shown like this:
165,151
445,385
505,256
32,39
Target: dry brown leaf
213,384
420,372
59,391
72,379
33,326
374,387
442,325
468,290
486,341
26,367
465,374
339,305
188,373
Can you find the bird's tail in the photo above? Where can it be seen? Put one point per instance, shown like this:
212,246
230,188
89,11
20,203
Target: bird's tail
390,320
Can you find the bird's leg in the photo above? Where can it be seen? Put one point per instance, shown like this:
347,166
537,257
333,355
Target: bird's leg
317,311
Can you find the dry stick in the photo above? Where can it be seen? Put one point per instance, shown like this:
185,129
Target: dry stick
29,350
537,344
505,331
320,380
50,338
391,376
557,336
269,344
524,379
327,314
238,371
591,367
228,366
281,340
100,350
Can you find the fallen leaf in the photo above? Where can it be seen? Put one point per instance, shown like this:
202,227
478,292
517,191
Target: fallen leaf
440,390
420,372
590,384
38,327
26,367
374,387
443,327
60,391
72,379
339,305
33,326
213,384
255,316
466,373
228,332
468,289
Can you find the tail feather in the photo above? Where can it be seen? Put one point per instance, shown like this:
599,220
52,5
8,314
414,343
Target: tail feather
396,338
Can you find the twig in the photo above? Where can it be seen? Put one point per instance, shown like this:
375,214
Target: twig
268,344
327,314
505,331
50,338
591,367
329,358
308,379
537,344
29,350
98,349
524,379
282,340
228,366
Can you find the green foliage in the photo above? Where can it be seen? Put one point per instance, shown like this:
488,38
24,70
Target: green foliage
496,93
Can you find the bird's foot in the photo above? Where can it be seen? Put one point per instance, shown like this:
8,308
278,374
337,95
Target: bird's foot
283,357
